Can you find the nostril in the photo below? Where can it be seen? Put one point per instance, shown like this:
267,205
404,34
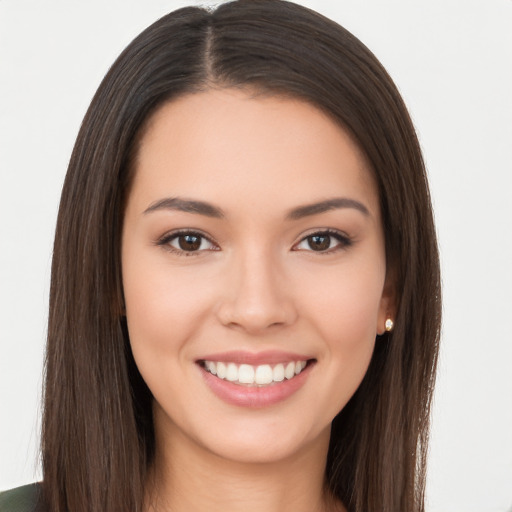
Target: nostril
255,316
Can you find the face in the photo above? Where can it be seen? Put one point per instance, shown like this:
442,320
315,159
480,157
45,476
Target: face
254,272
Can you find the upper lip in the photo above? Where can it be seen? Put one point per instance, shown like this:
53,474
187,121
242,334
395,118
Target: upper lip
255,358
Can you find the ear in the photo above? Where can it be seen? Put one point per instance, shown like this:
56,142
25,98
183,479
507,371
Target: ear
387,306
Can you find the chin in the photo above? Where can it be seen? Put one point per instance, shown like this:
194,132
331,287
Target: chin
265,442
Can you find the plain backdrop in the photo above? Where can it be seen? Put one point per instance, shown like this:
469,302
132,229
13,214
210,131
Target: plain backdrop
452,61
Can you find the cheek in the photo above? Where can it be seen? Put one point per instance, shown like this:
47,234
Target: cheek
345,312
350,332
162,308
163,313
345,303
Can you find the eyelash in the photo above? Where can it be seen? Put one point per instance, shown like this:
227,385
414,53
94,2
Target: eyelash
344,242
165,242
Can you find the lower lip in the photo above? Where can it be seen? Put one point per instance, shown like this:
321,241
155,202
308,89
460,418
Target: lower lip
255,397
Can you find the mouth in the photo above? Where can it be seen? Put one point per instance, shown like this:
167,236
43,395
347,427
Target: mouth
259,380
261,375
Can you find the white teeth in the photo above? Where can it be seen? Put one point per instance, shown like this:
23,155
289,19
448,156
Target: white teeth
211,367
278,373
232,372
221,370
246,374
290,370
260,375
263,374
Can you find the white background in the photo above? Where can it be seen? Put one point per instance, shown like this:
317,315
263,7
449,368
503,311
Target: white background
452,61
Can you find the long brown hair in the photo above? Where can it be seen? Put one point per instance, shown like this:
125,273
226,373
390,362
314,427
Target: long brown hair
98,439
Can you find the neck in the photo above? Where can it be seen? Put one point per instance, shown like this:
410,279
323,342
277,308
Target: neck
187,478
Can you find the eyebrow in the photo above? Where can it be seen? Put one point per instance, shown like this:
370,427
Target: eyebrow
186,205
325,206
209,210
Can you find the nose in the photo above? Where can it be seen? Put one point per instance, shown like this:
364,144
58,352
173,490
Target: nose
257,295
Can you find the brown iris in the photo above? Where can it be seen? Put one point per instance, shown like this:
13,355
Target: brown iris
189,242
319,242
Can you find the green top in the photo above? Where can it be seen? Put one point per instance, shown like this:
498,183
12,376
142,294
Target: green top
20,499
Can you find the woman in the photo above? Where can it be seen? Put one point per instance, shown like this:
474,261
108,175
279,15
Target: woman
245,299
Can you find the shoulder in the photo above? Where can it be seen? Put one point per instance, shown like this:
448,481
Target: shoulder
20,499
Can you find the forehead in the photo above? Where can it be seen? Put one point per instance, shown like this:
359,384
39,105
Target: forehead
224,144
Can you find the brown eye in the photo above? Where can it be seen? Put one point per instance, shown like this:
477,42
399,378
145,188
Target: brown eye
324,242
319,242
189,242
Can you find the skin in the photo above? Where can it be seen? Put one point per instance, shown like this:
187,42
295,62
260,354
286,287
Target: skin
254,284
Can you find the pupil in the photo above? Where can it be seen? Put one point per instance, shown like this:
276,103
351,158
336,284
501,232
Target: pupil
189,242
319,242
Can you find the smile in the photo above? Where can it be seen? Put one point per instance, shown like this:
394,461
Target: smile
259,375
255,380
